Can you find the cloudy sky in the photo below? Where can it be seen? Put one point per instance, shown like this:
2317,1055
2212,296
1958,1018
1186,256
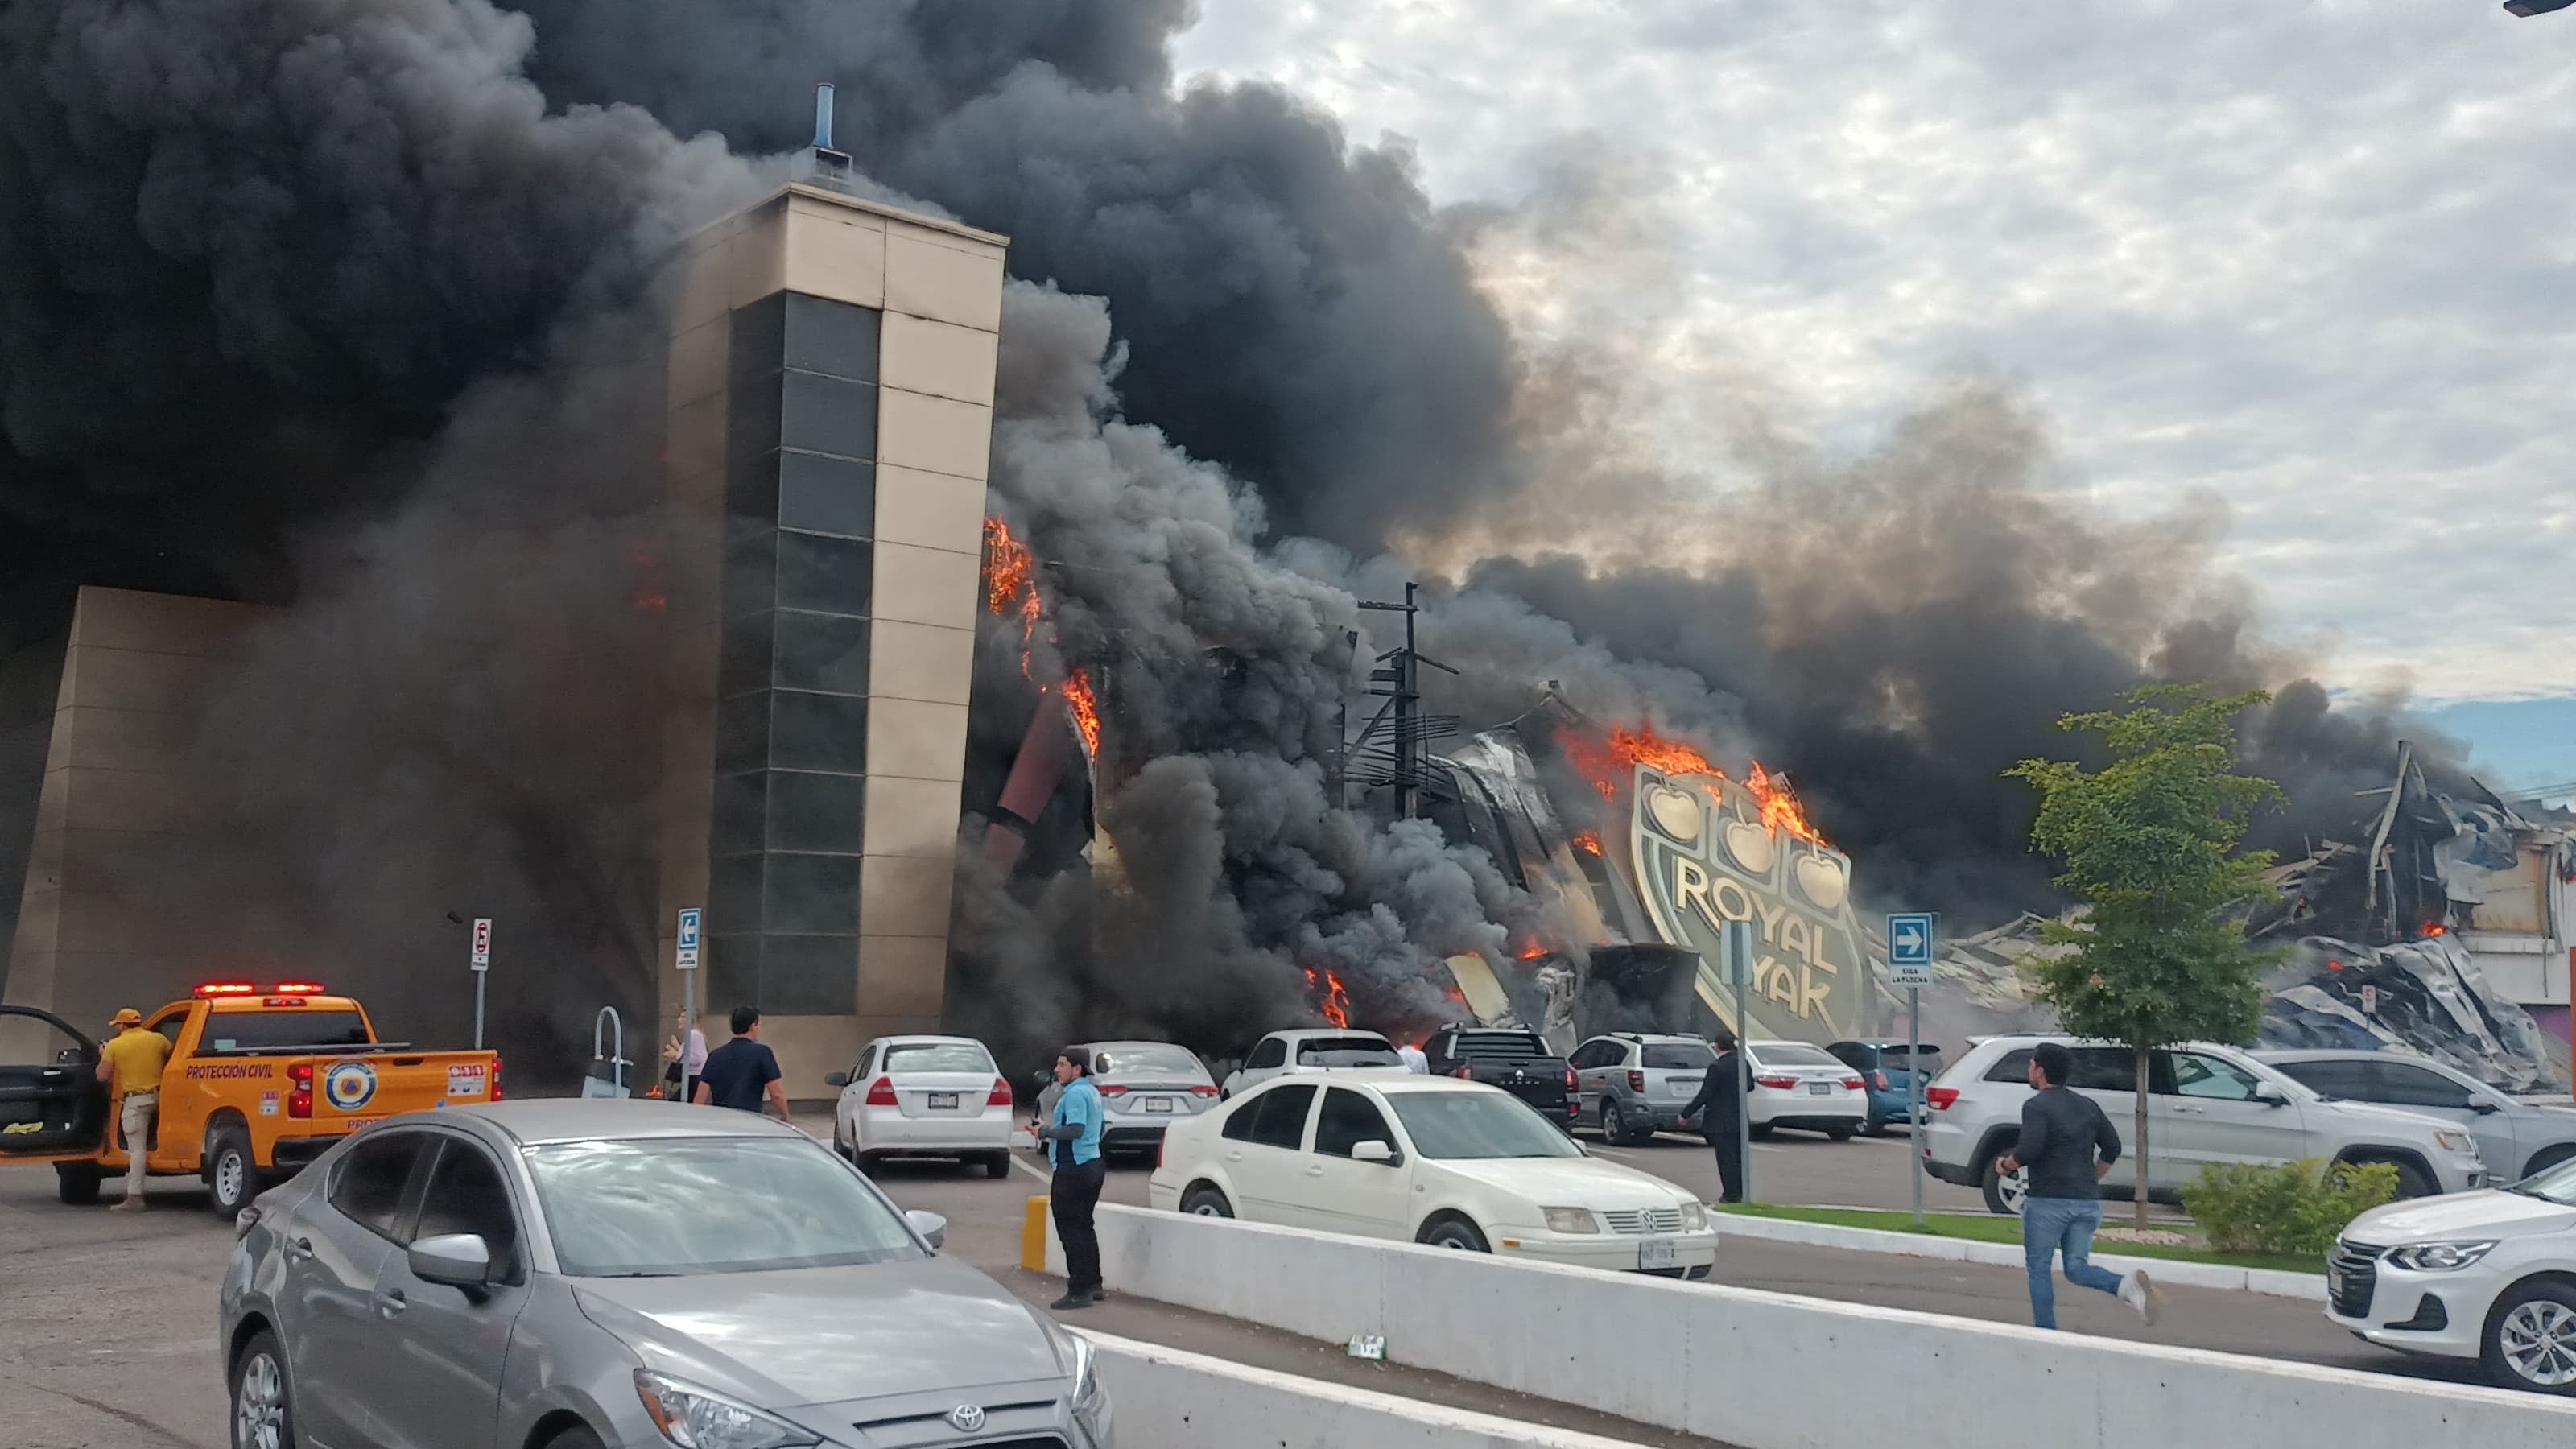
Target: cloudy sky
2313,260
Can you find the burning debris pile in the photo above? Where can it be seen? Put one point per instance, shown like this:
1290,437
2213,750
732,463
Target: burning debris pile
2389,938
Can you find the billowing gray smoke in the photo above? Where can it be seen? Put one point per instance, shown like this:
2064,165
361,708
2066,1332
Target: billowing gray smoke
324,301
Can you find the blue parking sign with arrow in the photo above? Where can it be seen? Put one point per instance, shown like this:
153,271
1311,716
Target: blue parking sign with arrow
1909,949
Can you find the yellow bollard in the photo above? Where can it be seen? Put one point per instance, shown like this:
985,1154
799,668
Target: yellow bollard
1033,1236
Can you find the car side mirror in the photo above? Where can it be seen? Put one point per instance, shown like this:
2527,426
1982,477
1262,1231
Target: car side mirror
837,1079
1374,1152
459,1260
932,1227
2483,1107
2271,1096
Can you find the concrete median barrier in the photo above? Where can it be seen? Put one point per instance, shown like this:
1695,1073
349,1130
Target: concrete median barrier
1774,1371
1170,1399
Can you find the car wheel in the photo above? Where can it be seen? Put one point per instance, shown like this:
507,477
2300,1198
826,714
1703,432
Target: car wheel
1759,1131
1455,1234
1204,1201
1838,1134
865,1161
2531,1339
2004,1192
1873,1128
263,1410
77,1183
232,1173
2412,1181
578,1436
997,1164
1614,1123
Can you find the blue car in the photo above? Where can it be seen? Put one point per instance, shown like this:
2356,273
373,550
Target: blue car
1887,1075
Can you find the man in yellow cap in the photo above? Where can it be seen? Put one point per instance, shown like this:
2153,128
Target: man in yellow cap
131,1064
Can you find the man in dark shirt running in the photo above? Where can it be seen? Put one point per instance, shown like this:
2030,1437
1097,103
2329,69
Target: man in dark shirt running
2061,1133
743,1071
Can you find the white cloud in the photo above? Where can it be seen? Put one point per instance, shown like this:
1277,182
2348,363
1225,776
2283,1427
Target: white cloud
2312,258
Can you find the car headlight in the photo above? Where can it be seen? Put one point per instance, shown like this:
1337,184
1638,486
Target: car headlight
695,1419
1694,1217
1570,1220
2459,1142
2439,1257
1090,1400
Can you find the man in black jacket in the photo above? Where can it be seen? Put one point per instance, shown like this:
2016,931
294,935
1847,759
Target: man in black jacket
1721,1098
2069,1146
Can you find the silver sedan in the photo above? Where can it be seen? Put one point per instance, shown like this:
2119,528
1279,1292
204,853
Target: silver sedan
585,1274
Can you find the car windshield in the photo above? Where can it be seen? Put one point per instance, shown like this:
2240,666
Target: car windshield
1793,1054
1465,1125
1151,1058
1685,1056
937,1056
661,1207
1346,1051
2557,1184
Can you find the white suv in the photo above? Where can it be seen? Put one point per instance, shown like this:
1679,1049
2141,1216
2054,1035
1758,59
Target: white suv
2488,1275
2205,1104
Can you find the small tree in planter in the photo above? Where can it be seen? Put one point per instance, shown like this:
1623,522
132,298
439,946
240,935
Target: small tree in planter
2149,842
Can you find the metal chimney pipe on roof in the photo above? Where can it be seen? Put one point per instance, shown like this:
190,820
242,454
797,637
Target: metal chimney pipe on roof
823,117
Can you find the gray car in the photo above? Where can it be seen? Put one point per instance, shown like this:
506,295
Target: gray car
1145,1087
2518,1138
1635,1085
586,1274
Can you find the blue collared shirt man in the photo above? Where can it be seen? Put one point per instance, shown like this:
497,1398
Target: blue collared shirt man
1073,1138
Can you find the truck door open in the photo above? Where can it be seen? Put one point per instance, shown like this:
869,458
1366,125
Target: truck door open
51,1100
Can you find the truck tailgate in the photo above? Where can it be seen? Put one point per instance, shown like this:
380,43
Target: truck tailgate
353,1091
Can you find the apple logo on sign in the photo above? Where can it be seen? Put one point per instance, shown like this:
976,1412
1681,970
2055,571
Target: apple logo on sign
1751,845
1675,812
1821,878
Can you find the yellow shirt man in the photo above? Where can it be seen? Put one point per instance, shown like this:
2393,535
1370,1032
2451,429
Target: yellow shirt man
136,1058
130,1063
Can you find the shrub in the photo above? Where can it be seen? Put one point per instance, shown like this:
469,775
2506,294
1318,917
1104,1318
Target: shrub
2297,1207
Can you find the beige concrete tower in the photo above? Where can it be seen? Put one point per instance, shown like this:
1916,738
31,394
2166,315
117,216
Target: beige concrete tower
831,388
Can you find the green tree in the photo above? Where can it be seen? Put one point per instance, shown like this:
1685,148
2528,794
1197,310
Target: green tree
2149,842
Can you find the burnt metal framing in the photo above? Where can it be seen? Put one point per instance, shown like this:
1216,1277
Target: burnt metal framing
792,669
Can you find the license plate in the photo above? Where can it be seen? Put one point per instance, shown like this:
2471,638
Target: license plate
1820,1089
1158,1104
1686,1086
943,1101
1655,1253
2334,1283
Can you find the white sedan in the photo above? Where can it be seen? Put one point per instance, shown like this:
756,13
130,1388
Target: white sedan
1427,1160
926,1096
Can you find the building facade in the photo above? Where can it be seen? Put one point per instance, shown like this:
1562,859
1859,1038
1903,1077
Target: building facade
830,394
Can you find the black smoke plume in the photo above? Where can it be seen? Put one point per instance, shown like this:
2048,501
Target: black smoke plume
328,304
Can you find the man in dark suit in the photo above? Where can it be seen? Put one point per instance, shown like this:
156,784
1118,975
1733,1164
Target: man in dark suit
1719,1108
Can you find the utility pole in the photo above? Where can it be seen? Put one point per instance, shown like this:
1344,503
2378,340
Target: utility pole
1400,676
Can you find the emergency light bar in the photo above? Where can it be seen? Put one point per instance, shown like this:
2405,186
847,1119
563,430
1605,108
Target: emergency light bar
212,989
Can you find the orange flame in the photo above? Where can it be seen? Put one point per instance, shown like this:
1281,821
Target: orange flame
1085,705
1780,809
1533,952
1610,763
1589,840
1010,582
1335,1007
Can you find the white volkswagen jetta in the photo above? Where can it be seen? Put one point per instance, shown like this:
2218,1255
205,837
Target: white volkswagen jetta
1427,1160
926,1096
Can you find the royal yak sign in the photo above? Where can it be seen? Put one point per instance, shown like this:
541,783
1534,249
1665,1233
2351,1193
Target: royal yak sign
1703,855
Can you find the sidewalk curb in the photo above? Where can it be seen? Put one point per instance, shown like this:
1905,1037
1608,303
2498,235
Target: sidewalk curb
2271,1282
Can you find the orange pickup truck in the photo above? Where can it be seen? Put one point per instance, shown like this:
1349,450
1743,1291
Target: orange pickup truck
261,1081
